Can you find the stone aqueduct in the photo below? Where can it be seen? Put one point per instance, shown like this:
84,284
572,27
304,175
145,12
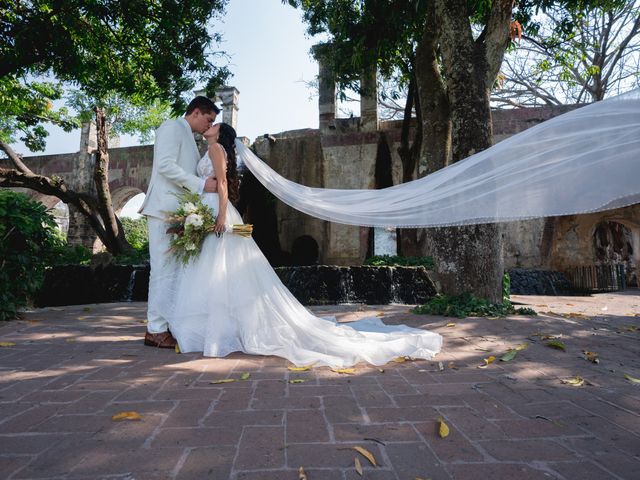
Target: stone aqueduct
344,153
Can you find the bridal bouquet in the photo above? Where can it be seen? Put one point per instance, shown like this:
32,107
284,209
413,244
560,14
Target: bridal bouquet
190,223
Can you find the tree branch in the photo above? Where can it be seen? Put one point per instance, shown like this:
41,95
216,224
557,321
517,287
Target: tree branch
15,159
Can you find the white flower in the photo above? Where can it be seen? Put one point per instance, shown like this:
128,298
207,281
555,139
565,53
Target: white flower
189,208
194,220
190,246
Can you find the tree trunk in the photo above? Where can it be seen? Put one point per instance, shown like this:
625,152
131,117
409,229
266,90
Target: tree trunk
408,239
434,122
469,259
117,242
86,204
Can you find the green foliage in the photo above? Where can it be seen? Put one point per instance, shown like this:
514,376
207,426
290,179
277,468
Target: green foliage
25,105
467,305
394,260
64,254
143,53
147,48
136,231
135,257
124,115
506,287
27,238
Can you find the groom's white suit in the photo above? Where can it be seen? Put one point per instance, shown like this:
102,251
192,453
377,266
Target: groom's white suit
175,156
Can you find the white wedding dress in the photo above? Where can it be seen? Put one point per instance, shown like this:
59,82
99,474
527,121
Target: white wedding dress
230,299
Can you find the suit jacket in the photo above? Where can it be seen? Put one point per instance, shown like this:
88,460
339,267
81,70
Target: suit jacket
175,157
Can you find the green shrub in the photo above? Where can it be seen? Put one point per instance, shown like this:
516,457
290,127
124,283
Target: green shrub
396,260
136,231
64,254
27,239
135,257
467,305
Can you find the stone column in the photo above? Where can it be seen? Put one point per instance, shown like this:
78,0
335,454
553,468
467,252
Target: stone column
327,89
369,101
80,231
229,97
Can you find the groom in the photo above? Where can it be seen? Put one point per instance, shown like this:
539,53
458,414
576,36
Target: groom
175,157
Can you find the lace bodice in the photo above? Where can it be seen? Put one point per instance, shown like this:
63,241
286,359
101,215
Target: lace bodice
205,167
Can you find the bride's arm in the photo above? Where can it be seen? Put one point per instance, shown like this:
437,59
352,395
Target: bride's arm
216,154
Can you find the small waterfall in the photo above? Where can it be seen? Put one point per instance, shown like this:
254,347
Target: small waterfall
346,293
128,295
393,286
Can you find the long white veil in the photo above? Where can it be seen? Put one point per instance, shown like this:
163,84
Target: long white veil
586,160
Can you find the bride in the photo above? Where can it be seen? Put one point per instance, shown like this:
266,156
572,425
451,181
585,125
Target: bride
230,299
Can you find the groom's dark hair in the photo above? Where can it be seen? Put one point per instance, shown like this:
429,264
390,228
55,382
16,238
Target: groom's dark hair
204,104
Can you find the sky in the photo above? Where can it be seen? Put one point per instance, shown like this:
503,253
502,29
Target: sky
270,62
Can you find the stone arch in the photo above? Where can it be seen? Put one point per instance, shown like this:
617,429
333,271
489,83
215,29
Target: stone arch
573,241
617,240
304,251
56,207
120,196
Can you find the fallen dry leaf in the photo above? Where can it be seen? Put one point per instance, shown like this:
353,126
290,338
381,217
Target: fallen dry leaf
358,466
591,356
557,344
510,355
297,380
400,359
487,361
452,366
443,429
381,370
301,474
348,371
576,381
127,416
632,379
7,344
177,348
366,454
451,324
574,315
300,369
224,380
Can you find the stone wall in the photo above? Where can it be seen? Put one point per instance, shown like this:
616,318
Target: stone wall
312,285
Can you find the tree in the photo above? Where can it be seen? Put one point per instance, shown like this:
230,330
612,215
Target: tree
453,51
573,54
140,50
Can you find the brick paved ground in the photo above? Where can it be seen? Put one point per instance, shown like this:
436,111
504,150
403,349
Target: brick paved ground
71,369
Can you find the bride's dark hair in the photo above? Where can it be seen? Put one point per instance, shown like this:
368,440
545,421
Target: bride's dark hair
226,138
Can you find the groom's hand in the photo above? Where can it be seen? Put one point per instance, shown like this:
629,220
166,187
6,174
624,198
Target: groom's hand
211,185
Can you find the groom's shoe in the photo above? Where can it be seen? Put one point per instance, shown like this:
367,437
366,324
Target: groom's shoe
160,340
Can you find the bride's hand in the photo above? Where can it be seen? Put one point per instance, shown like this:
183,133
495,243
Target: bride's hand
219,229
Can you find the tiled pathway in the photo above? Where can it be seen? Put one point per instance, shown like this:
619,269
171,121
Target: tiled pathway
71,369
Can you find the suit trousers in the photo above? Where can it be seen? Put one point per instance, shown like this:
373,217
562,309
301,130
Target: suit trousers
162,276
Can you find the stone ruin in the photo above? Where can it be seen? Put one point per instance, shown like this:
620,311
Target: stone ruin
352,153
